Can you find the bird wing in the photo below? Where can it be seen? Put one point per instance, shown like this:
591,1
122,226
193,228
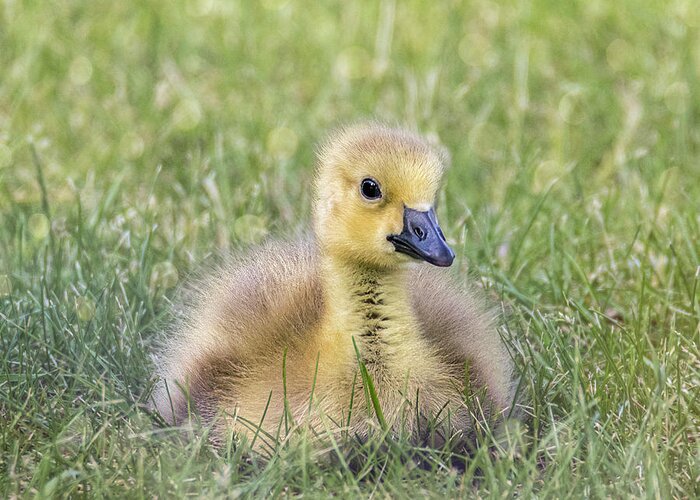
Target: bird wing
249,308
455,319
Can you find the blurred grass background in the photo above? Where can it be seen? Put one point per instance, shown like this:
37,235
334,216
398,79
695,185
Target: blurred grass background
138,138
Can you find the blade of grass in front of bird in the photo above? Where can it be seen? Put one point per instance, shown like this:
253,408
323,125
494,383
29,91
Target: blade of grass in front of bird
287,415
369,385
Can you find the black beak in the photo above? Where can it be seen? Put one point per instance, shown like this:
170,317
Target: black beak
422,238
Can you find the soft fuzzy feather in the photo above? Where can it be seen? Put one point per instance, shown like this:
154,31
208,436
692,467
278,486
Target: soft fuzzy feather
302,302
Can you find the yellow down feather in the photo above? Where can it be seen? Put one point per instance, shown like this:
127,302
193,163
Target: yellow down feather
300,303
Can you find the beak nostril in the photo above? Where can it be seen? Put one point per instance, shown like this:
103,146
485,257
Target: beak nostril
419,232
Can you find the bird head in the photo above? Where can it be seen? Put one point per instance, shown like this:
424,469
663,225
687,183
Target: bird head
375,194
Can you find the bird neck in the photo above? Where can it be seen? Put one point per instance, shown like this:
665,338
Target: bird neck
366,302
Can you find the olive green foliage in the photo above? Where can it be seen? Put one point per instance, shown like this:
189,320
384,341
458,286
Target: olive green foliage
138,139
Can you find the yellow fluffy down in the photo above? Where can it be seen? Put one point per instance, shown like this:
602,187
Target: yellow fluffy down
305,304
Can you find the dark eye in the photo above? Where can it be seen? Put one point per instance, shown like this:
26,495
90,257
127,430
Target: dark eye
370,189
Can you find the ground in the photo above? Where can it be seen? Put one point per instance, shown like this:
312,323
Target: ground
139,139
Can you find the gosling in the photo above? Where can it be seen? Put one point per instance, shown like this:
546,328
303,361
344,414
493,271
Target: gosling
286,330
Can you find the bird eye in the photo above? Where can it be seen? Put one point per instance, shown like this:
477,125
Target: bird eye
370,189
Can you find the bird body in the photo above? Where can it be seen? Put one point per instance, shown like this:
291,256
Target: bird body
283,331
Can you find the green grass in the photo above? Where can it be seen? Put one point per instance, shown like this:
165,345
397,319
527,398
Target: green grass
139,138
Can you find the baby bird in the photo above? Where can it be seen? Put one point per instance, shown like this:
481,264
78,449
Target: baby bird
285,331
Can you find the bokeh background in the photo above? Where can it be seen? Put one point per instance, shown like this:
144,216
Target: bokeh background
138,139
